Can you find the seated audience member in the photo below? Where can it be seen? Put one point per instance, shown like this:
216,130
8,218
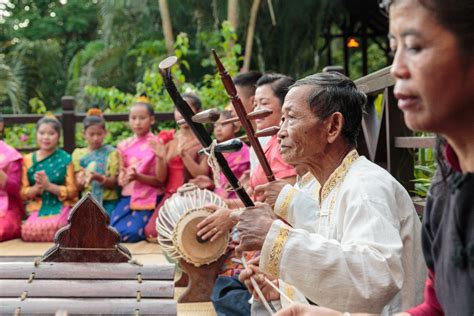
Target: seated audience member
11,207
48,186
142,185
96,166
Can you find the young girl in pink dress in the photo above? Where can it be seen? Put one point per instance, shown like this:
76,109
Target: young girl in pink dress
11,207
142,185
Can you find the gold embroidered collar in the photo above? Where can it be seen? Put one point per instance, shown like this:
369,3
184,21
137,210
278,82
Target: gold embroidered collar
338,175
305,179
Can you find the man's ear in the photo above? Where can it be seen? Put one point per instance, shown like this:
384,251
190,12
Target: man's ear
335,124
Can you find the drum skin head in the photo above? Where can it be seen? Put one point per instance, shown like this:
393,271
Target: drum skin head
176,225
186,241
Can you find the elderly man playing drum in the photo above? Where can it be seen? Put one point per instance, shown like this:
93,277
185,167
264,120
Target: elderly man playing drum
363,253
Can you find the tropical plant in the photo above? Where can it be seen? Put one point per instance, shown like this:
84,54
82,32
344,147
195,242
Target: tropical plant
41,67
425,167
10,86
211,91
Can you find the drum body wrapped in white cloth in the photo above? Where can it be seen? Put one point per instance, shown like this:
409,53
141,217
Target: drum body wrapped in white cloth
176,224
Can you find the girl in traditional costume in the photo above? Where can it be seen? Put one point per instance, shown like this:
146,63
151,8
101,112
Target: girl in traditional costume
142,185
47,184
239,161
96,166
178,159
11,207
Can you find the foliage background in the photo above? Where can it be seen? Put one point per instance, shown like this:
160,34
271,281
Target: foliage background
106,52
51,48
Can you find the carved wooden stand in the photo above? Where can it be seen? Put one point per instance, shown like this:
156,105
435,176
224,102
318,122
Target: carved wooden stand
201,281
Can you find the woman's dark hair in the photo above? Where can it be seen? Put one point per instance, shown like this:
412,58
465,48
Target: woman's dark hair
195,100
457,16
51,120
279,83
93,117
333,92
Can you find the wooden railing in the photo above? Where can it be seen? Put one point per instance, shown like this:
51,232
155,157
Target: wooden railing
386,140
69,118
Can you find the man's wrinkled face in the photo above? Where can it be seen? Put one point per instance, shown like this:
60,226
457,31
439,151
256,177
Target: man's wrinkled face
302,135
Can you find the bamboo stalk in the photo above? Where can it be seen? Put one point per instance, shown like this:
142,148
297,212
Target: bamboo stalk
250,34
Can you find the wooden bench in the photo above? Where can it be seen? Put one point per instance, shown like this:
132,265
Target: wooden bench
87,272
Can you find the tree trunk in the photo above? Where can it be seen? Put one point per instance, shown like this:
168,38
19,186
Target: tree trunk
250,34
167,27
233,13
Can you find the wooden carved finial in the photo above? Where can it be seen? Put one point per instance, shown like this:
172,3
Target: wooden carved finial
87,237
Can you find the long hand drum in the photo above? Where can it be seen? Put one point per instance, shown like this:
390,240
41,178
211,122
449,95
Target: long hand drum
177,231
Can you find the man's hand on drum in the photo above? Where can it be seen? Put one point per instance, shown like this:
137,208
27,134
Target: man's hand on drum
269,191
216,224
254,224
254,272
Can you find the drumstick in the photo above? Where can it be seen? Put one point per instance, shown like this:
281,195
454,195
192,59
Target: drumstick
278,290
269,282
257,289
